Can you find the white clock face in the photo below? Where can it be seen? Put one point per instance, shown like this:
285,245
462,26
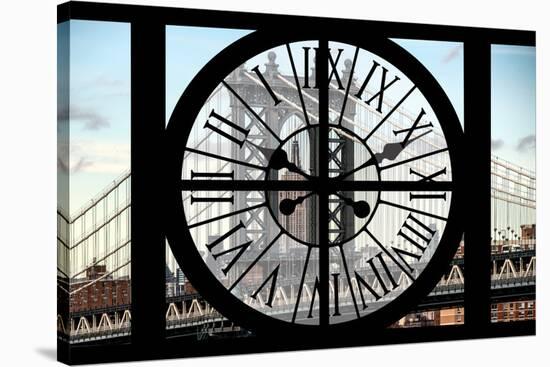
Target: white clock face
312,202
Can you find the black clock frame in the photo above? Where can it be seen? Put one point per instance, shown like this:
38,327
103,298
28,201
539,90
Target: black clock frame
149,339
179,128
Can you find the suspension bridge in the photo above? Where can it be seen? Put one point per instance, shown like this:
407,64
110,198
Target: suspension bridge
94,243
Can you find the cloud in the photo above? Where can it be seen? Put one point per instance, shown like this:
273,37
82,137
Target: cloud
62,156
99,157
496,144
108,87
88,118
452,54
100,87
62,165
526,143
78,160
104,81
82,165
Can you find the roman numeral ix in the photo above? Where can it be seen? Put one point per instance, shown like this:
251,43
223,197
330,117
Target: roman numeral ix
211,199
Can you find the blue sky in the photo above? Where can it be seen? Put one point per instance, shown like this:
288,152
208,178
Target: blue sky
444,60
203,44
513,109
100,93
99,107
513,88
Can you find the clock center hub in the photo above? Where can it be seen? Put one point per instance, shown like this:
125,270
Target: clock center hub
297,159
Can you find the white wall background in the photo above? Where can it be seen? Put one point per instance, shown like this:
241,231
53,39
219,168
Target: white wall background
28,186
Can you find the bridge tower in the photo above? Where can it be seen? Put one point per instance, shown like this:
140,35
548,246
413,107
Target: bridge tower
341,159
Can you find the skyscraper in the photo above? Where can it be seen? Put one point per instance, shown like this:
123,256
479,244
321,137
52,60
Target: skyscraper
295,223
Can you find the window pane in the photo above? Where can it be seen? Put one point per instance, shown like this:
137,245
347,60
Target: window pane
95,219
513,183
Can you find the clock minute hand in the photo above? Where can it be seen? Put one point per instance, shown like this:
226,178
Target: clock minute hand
389,152
278,159
371,162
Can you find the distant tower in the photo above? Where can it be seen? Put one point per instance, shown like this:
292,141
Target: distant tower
296,223
295,154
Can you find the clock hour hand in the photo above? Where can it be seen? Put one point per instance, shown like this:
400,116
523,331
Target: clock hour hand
288,206
361,208
278,159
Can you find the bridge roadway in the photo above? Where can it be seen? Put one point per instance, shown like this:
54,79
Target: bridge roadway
503,285
202,321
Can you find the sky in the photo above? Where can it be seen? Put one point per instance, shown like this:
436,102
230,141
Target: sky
203,44
444,60
99,108
513,107
100,95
